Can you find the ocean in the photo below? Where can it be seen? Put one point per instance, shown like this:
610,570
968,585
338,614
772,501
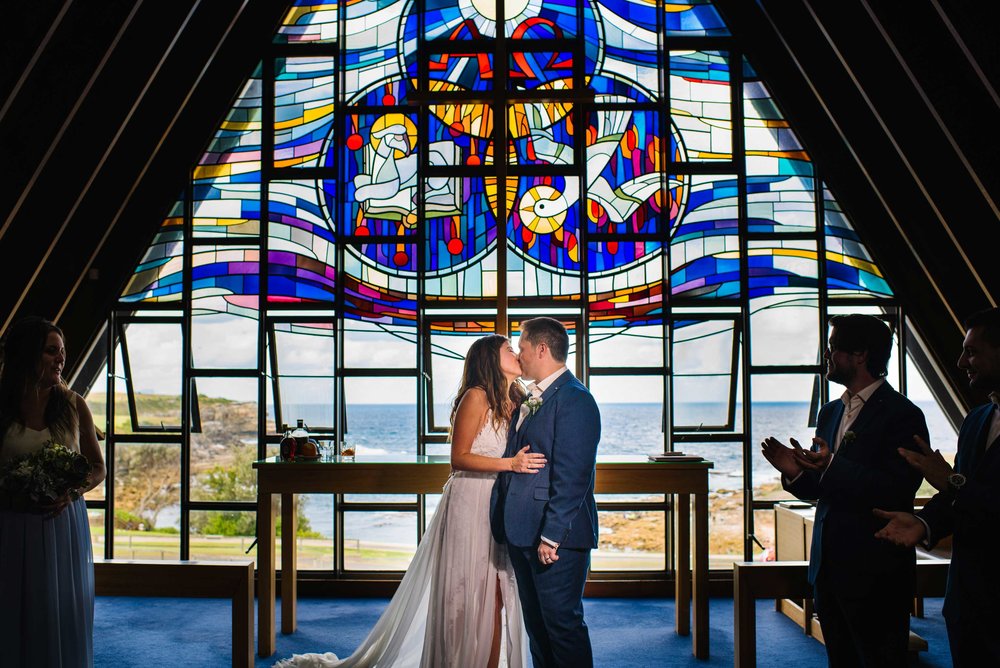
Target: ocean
627,428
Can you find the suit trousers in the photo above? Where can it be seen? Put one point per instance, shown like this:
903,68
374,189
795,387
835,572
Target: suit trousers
871,630
552,604
973,643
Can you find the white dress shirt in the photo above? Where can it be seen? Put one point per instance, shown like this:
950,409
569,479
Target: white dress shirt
853,405
535,391
994,431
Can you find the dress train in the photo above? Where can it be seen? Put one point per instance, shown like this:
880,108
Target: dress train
444,609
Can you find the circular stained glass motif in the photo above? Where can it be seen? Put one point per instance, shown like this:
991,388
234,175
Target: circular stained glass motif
620,186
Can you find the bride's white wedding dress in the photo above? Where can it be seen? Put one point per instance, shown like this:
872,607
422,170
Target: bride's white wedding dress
443,612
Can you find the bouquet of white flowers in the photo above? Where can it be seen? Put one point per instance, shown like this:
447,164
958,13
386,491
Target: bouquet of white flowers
40,477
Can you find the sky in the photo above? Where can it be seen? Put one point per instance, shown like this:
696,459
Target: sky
230,342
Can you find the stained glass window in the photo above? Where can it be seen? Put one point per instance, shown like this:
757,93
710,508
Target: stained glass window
389,184
226,182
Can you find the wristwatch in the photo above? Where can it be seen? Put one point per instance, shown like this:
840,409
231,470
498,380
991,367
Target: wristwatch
956,481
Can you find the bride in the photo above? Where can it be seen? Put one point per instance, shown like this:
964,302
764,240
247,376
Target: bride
457,604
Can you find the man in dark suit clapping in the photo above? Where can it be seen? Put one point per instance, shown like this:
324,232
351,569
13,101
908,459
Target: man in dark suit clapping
967,506
863,587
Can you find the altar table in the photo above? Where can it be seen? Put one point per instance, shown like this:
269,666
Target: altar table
426,474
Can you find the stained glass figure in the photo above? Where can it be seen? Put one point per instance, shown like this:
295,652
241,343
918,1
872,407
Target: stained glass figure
591,146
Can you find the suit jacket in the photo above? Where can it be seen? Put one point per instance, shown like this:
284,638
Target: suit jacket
558,502
972,517
866,472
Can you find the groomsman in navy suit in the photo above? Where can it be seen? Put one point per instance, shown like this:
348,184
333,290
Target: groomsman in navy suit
862,587
967,506
549,520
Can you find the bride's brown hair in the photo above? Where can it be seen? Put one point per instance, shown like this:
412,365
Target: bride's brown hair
482,370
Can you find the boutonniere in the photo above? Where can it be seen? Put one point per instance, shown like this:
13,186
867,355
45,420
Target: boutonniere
533,404
849,437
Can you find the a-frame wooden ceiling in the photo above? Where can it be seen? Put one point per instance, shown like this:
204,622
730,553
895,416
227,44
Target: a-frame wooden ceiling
104,107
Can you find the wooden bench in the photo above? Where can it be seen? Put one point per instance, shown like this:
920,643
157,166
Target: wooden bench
793,529
188,579
789,579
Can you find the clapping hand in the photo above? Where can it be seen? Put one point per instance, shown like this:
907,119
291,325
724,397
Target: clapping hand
903,529
782,457
814,460
527,462
929,462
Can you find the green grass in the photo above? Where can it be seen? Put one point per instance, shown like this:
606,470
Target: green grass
152,409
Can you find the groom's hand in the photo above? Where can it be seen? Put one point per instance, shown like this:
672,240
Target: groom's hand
547,554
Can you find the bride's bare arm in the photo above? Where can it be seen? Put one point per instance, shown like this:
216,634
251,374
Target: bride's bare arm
469,421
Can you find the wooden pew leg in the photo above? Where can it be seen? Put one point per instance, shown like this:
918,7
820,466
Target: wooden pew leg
243,621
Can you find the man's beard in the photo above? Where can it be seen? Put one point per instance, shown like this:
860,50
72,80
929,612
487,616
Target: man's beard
839,375
985,382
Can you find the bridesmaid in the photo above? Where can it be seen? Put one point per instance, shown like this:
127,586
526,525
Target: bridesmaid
47,579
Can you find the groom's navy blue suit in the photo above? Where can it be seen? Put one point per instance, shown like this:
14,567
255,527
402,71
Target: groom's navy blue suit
558,503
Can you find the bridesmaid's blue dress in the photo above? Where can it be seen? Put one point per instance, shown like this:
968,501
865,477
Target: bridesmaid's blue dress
46,578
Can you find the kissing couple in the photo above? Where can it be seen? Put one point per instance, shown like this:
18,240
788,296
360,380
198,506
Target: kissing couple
502,565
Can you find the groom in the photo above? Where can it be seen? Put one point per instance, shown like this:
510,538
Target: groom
549,520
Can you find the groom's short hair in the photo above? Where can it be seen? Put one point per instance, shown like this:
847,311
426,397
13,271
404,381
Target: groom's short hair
550,332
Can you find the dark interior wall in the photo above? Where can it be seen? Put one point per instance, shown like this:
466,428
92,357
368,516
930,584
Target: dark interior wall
897,104
105,106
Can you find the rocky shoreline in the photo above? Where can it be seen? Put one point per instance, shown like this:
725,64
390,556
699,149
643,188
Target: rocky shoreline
645,531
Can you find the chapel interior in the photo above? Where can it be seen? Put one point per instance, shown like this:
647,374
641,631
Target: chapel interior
107,110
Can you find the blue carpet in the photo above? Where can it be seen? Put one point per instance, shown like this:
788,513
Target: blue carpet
625,632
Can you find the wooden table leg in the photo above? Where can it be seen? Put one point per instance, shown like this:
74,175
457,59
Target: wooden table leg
700,589
289,579
265,574
682,572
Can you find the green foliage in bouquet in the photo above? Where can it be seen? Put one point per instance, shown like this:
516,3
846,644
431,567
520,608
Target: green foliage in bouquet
41,477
